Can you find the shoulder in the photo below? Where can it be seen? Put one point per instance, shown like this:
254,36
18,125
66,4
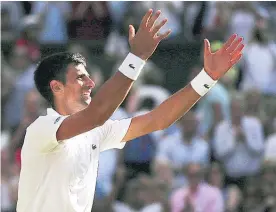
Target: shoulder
44,122
252,121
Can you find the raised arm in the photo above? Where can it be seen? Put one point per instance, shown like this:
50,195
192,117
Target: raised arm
113,92
215,66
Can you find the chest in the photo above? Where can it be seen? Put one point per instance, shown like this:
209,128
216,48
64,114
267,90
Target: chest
82,153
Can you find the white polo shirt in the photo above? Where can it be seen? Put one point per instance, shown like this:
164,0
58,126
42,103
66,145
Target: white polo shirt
61,176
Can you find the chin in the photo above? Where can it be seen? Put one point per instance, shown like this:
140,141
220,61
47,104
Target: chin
87,101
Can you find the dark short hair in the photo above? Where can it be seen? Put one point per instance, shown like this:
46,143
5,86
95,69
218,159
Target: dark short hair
54,67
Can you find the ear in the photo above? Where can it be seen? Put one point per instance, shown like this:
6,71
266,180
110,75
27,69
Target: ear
56,86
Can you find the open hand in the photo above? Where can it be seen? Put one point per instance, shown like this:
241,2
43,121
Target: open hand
145,41
218,63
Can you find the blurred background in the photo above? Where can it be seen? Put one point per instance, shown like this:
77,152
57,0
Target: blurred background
221,156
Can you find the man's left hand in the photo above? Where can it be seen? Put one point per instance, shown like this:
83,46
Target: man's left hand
218,63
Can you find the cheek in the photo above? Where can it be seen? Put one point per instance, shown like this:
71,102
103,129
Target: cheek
72,92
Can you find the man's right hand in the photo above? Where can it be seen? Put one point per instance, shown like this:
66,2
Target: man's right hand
145,41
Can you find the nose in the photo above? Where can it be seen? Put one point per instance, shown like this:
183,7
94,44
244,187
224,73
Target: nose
90,83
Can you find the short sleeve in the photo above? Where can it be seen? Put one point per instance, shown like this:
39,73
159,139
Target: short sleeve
112,133
42,133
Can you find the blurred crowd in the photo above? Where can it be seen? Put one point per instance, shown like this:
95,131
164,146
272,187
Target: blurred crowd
221,156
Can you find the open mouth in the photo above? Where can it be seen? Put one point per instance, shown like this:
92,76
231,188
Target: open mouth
86,94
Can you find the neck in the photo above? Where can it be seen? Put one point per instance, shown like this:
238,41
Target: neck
67,109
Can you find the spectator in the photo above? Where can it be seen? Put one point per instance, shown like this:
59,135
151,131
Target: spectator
53,18
239,144
197,196
232,194
212,109
163,172
170,10
217,19
8,75
32,108
89,21
11,14
243,19
21,62
258,56
29,33
116,46
139,154
153,193
182,150
132,202
109,161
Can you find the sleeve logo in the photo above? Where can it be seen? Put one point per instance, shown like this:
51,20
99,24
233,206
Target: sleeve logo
56,121
207,86
131,66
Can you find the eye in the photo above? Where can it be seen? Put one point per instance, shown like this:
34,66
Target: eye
80,77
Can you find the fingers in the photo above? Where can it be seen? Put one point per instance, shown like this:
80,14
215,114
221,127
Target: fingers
234,45
153,19
207,47
131,32
238,50
146,17
236,59
164,35
229,42
159,26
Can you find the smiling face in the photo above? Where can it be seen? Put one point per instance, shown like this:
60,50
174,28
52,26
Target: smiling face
75,94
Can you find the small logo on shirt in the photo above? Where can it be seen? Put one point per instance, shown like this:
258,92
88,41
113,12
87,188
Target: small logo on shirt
94,146
206,86
56,121
131,66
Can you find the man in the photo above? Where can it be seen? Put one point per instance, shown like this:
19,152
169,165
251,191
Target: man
184,149
197,196
61,150
239,144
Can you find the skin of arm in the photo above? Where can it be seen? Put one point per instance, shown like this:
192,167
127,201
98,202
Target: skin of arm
110,96
215,65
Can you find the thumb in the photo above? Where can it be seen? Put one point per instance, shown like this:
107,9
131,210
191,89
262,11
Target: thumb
207,47
131,32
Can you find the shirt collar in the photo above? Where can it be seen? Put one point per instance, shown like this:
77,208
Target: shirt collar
51,111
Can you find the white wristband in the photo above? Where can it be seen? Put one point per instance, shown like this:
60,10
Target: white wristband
132,66
202,83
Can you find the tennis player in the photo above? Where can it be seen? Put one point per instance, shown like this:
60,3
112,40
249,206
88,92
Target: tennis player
61,150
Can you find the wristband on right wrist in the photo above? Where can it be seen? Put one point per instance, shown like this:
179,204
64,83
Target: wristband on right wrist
132,66
202,83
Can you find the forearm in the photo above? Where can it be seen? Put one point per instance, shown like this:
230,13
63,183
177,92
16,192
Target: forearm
110,96
175,107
